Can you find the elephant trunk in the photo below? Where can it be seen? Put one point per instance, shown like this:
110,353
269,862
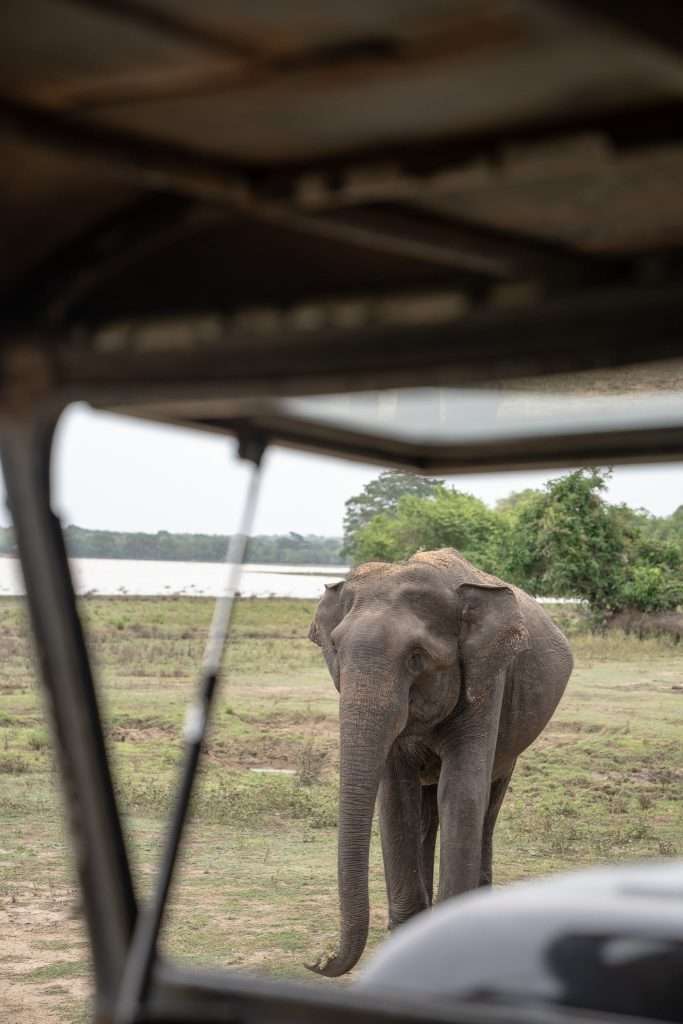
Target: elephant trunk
367,731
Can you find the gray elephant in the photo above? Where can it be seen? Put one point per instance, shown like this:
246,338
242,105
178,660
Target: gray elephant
445,675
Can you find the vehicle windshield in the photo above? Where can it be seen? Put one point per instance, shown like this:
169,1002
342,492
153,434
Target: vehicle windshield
546,407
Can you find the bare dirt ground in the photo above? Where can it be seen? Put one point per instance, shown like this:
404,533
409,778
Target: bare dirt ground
43,952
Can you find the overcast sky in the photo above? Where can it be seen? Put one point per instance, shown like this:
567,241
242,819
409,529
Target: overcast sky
119,474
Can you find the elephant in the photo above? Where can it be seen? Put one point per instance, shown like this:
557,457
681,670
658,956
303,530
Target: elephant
445,675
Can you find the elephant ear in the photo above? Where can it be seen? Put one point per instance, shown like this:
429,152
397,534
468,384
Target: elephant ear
327,615
491,632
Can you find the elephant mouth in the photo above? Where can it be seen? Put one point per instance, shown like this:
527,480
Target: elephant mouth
430,771
427,761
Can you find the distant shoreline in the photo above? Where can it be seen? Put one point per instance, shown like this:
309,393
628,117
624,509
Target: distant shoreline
263,549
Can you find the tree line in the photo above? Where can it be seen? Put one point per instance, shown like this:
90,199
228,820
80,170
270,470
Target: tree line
287,549
562,540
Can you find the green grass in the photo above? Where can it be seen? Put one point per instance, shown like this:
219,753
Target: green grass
257,883
56,970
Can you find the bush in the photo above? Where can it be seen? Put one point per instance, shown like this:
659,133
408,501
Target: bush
38,740
649,588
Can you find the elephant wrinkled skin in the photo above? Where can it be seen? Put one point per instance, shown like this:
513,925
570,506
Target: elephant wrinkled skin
445,675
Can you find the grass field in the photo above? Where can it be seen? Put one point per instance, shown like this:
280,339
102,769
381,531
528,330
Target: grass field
257,886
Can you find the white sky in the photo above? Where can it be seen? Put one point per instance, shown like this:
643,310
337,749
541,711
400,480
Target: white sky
120,474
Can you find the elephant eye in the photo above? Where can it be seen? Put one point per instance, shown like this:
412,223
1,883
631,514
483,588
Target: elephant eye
416,661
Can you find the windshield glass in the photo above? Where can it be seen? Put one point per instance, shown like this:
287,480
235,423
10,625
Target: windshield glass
583,403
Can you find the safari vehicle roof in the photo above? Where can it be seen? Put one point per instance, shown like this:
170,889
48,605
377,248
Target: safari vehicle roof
204,203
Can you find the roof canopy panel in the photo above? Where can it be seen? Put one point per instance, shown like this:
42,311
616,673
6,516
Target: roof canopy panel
302,198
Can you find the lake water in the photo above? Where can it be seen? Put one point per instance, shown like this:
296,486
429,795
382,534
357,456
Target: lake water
116,577
113,576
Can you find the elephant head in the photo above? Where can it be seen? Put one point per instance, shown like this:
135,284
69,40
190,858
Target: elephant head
405,645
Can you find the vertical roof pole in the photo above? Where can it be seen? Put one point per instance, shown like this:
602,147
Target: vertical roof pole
143,948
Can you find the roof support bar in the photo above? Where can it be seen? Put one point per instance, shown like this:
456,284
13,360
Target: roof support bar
101,859
143,948
183,172
475,251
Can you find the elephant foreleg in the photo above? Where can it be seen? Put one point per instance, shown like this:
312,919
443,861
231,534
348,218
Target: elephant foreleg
498,790
464,792
401,831
430,826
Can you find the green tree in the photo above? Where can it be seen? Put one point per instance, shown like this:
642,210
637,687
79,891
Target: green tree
446,518
582,544
653,578
382,495
521,557
515,499
567,541
666,528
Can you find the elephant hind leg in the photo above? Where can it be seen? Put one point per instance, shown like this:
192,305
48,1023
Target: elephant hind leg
498,790
430,826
